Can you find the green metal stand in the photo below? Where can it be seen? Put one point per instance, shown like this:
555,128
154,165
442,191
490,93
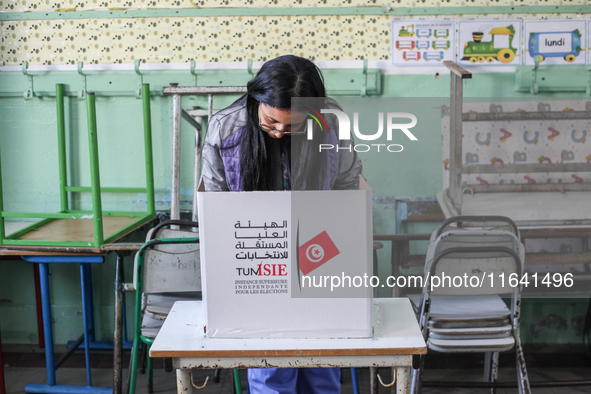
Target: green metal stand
95,188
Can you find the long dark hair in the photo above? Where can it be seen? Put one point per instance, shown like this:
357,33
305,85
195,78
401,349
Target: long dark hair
275,84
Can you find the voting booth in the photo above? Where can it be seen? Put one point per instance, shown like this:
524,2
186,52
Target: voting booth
287,264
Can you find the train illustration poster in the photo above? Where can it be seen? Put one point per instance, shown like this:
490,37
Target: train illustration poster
492,43
556,42
423,42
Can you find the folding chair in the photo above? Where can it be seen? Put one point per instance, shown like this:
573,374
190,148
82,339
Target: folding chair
166,270
473,318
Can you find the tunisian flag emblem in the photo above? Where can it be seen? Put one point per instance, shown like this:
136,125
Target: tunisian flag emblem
316,252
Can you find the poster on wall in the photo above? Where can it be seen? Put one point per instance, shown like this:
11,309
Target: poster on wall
556,42
423,43
588,41
490,43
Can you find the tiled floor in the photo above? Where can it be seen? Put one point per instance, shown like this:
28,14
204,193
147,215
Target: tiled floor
26,365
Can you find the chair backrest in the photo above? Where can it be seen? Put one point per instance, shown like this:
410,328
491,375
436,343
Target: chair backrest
485,223
172,268
473,262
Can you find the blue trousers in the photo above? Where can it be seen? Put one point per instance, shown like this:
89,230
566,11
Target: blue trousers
294,380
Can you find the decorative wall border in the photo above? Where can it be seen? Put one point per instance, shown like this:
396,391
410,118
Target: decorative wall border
294,11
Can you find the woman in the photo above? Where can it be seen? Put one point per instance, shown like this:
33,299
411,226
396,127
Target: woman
260,142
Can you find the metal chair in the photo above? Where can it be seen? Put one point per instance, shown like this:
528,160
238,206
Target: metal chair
166,270
473,317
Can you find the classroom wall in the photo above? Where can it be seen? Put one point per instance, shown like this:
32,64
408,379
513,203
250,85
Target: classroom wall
165,43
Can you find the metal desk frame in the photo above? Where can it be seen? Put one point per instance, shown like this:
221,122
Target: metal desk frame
453,196
88,316
180,340
120,333
177,113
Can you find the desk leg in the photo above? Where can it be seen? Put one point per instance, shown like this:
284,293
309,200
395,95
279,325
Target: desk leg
90,304
38,303
183,381
373,380
86,311
2,385
402,381
47,328
395,256
393,374
118,335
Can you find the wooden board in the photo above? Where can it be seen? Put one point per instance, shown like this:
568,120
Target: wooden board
77,230
66,228
401,237
122,246
11,250
423,211
554,232
396,333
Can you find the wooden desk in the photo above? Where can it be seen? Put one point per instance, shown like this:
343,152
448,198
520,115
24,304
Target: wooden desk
396,340
121,249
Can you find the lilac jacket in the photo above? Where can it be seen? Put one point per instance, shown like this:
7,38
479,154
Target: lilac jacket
221,156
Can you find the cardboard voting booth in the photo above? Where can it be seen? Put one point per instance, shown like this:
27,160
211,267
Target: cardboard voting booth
270,263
